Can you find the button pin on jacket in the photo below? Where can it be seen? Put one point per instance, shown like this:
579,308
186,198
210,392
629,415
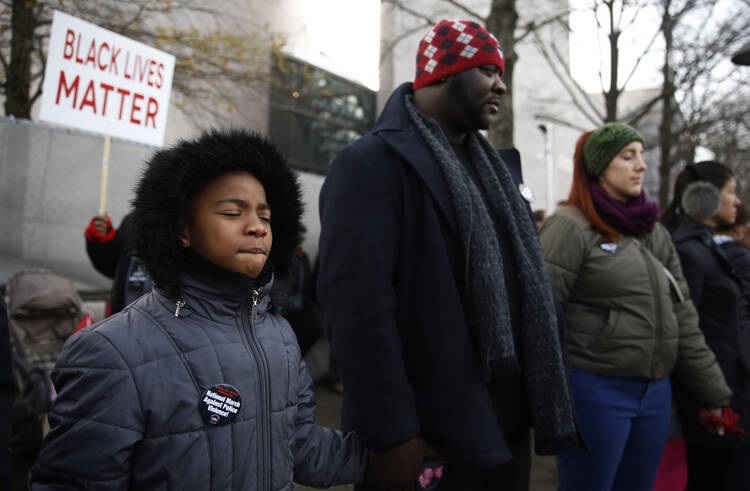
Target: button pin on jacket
610,247
220,404
526,192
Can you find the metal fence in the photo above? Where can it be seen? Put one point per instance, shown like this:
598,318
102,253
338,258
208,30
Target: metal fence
49,190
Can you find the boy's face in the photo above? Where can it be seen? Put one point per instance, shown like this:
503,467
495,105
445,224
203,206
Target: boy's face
230,224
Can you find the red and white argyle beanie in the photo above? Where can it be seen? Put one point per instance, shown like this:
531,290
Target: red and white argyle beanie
453,46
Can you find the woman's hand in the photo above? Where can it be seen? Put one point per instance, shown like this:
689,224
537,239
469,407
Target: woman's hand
720,421
711,420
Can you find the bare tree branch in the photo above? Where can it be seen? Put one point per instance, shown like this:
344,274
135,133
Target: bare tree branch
583,94
643,54
387,50
419,15
463,7
561,122
565,82
533,26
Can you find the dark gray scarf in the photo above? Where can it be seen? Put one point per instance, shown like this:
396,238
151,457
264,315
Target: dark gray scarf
487,310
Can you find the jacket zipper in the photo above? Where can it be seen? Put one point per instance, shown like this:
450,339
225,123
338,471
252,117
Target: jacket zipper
264,412
657,304
179,305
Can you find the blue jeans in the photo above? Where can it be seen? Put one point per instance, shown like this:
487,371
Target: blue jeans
625,422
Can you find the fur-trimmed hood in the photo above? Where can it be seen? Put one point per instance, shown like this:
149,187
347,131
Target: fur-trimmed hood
172,179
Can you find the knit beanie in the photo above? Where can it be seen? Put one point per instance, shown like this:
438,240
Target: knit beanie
604,144
454,46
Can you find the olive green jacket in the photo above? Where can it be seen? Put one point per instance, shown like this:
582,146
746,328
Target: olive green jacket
624,315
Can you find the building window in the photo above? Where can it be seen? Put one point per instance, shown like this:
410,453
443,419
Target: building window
314,113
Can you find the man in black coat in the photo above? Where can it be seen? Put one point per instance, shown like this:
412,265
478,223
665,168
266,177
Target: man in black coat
433,283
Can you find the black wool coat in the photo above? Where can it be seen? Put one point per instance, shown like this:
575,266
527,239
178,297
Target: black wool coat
716,292
390,292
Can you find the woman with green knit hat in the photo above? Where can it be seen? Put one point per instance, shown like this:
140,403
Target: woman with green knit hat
630,323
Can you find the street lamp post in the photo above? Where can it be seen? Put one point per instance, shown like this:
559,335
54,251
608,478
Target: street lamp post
546,130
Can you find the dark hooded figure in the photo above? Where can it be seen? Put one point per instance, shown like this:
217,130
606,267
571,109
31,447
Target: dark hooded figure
705,200
198,385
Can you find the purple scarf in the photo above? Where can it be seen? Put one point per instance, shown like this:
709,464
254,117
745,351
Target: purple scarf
634,217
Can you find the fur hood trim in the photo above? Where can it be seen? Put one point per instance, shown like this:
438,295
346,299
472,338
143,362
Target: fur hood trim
175,176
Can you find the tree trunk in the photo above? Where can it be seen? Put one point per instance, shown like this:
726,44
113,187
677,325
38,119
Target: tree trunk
613,93
18,76
502,23
667,110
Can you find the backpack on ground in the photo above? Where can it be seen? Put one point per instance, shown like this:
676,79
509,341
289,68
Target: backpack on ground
43,311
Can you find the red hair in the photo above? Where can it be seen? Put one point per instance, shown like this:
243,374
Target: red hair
580,193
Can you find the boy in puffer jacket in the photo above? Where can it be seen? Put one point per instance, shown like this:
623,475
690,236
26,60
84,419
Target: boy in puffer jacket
197,385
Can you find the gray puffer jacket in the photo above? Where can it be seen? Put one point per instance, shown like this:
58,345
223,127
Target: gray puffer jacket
127,413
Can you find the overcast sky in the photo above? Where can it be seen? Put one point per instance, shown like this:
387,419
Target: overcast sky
347,34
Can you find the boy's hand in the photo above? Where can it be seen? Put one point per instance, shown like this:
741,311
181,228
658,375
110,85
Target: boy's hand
397,469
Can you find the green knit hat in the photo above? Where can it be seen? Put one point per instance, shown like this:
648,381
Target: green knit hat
604,144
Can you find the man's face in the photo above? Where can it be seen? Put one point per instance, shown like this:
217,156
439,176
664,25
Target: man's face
477,95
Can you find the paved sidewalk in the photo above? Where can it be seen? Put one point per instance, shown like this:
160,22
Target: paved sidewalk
543,470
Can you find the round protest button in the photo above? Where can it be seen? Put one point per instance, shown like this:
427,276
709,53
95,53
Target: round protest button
220,404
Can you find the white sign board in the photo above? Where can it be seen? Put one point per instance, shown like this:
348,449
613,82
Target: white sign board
103,82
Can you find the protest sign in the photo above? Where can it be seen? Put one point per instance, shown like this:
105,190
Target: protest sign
100,81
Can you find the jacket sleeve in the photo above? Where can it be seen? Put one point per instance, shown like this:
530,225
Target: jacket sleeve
104,255
696,368
95,422
564,250
359,245
323,457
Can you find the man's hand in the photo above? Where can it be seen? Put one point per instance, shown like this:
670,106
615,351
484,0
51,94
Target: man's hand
101,224
397,469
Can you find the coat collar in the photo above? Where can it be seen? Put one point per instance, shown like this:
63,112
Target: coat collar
396,128
218,294
690,229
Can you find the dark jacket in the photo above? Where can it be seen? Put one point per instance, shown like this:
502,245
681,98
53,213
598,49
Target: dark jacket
129,388
389,262
293,297
717,295
623,316
6,395
739,258
115,258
